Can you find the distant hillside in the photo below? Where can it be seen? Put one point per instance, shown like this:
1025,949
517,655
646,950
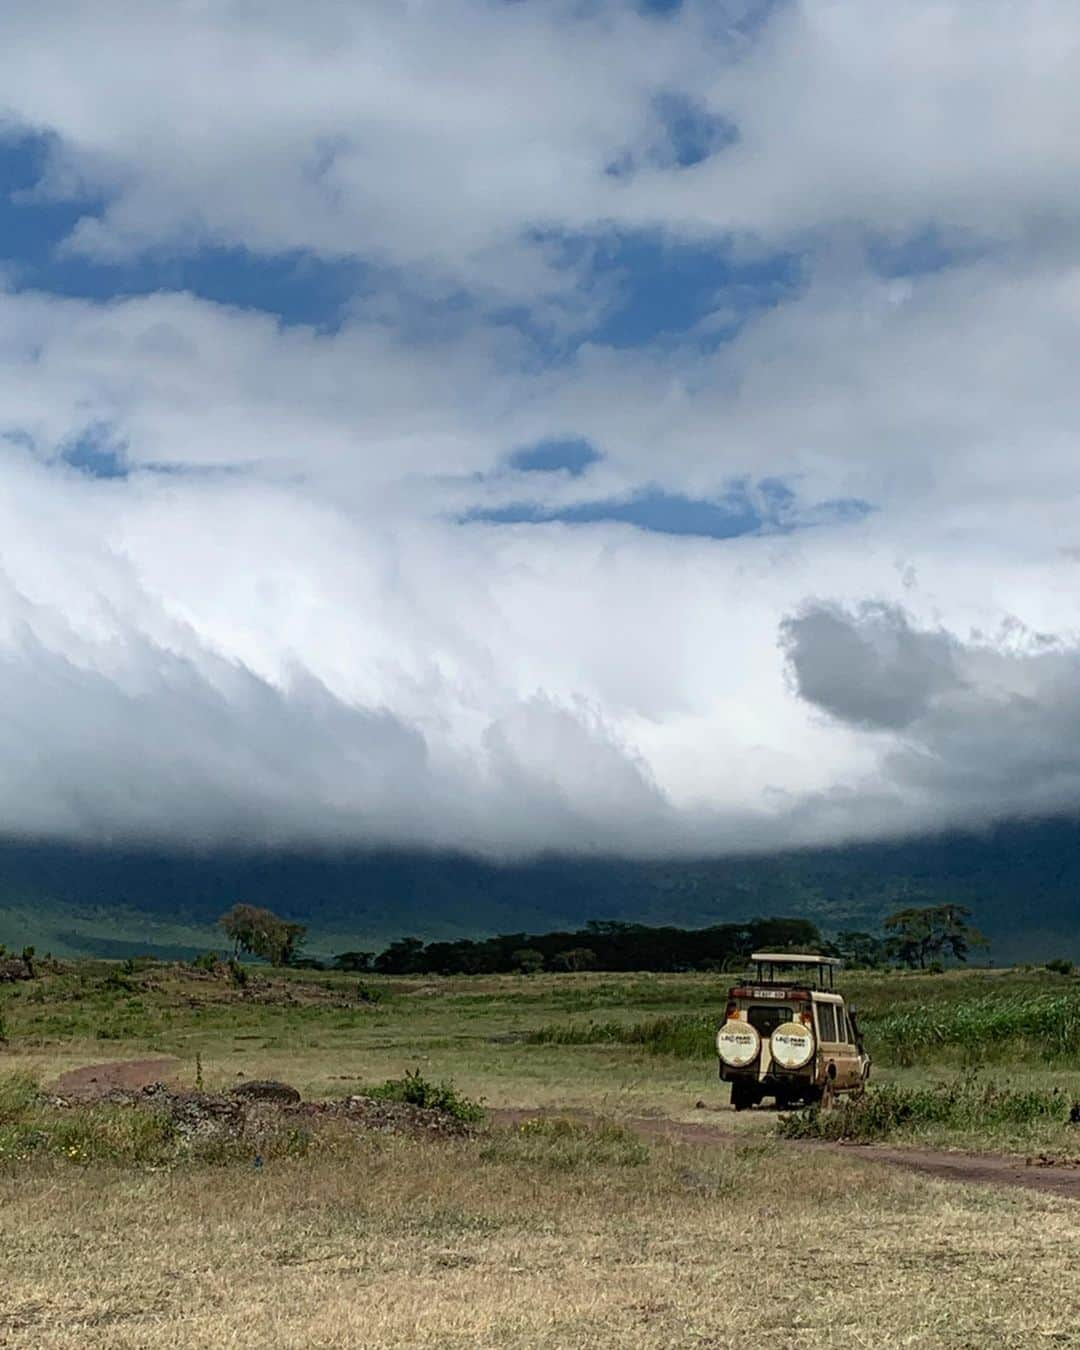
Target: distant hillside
1023,881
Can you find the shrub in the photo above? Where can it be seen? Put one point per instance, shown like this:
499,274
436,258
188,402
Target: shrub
207,961
367,993
237,973
353,961
965,1103
1060,966
119,982
415,1090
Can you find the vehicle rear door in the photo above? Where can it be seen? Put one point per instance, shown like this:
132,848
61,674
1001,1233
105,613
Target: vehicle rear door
829,1033
848,1063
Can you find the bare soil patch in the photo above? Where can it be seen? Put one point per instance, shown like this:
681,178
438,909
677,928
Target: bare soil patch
122,1075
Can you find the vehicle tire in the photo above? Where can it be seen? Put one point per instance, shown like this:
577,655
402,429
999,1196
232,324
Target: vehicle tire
743,1095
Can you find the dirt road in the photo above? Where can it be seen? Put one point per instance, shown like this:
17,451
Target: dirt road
991,1169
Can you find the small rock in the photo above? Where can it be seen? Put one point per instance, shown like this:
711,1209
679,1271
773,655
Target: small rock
700,1106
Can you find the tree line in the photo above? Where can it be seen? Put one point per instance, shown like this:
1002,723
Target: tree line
917,937
600,945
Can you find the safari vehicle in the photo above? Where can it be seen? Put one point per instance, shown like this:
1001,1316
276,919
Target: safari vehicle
789,1035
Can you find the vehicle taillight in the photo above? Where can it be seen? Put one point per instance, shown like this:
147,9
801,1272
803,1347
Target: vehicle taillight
731,1012
807,1018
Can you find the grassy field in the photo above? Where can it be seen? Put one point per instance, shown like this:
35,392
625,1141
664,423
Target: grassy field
569,1232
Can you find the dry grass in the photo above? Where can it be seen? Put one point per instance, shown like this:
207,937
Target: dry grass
533,1242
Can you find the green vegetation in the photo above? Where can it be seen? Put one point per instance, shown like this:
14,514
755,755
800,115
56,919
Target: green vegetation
687,1037
260,932
624,1043
1002,1028
1006,1026
967,1104
919,936
415,1090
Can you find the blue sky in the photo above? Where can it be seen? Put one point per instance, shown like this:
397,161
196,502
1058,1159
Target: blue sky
297,287
655,289
537,426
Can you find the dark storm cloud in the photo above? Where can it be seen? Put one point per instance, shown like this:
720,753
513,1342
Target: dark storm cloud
869,667
983,727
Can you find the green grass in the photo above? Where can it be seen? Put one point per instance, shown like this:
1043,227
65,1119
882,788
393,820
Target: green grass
922,1019
990,1029
633,1044
686,1037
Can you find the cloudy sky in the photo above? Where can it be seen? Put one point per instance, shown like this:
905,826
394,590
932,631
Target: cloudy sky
512,425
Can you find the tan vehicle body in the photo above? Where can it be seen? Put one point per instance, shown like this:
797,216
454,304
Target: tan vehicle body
786,1039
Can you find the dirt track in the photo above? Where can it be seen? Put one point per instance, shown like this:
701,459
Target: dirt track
990,1169
987,1169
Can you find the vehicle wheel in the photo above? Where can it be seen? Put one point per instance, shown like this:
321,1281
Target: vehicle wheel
742,1096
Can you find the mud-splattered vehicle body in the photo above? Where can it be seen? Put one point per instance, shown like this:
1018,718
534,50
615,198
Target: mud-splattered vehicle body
787,1034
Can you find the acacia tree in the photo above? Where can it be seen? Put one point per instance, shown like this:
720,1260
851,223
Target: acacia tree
859,949
575,958
261,932
917,935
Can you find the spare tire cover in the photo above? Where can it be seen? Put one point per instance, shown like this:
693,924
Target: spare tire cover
738,1044
792,1045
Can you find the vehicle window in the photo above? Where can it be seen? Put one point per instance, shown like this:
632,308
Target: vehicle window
846,1029
766,1017
826,1016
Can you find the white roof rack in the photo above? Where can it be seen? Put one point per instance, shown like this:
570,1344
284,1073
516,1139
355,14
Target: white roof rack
795,959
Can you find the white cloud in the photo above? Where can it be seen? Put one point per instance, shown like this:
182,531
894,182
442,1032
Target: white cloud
433,137
289,637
